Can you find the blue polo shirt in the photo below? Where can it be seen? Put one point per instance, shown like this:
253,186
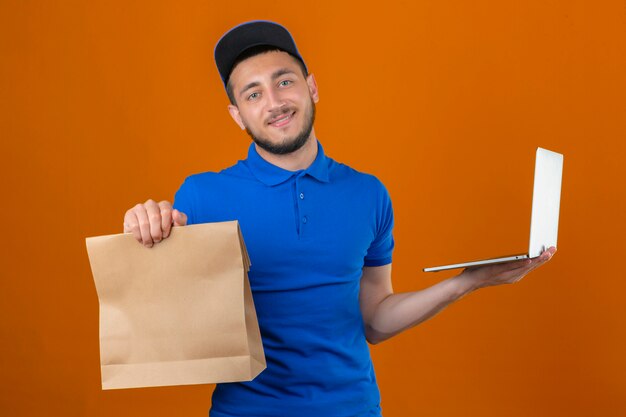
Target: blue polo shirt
309,233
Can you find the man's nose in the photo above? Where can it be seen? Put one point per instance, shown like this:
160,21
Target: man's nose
274,99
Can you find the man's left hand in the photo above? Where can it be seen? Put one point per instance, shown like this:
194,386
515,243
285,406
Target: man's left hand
505,273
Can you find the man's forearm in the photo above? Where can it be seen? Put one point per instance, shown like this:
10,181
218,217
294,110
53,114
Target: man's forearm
399,312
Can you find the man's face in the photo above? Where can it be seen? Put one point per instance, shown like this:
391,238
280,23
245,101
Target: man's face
275,103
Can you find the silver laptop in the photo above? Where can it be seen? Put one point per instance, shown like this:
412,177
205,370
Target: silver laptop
544,220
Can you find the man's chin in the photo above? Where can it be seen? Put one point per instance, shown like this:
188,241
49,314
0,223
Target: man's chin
285,147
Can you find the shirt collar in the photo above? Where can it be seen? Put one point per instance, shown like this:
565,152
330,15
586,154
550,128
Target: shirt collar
271,175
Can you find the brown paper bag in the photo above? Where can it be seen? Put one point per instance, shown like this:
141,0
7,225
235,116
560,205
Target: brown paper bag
178,313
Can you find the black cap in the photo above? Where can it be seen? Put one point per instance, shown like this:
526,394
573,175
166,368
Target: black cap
248,35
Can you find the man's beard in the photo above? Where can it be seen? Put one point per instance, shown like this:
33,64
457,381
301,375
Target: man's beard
288,145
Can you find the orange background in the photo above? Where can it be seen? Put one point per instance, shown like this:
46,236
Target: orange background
104,104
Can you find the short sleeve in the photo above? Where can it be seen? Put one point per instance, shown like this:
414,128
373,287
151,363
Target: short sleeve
381,248
184,199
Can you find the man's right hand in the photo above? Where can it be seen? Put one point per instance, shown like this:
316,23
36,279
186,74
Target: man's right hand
152,222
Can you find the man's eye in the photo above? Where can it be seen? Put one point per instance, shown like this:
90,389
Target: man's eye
284,83
253,96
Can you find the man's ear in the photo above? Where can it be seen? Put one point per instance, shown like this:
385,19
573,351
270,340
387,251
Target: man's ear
234,113
310,80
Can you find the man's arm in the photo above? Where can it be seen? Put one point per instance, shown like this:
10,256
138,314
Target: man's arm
386,314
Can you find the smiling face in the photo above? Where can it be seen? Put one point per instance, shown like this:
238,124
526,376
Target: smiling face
275,103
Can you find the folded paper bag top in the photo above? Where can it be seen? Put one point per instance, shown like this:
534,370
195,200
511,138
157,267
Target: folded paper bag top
178,313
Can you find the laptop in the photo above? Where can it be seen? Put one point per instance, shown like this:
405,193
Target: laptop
544,219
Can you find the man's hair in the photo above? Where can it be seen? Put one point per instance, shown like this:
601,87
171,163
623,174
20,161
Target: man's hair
249,53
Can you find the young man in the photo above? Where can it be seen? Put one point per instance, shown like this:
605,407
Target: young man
319,235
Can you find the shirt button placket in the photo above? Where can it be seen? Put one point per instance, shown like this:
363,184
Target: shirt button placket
302,210
303,215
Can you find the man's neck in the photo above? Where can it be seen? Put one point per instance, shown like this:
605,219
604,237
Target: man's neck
294,161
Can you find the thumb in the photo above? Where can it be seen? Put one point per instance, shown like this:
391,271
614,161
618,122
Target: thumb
180,218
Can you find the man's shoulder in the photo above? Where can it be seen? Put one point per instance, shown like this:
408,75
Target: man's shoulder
342,172
238,170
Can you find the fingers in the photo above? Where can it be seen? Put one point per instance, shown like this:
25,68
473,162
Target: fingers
180,218
517,274
543,258
143,220
166,217
151,222
131,224
530,264
154,220
509,272
548,253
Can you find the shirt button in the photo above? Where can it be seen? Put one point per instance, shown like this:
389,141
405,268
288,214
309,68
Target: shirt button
301,196
304,219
